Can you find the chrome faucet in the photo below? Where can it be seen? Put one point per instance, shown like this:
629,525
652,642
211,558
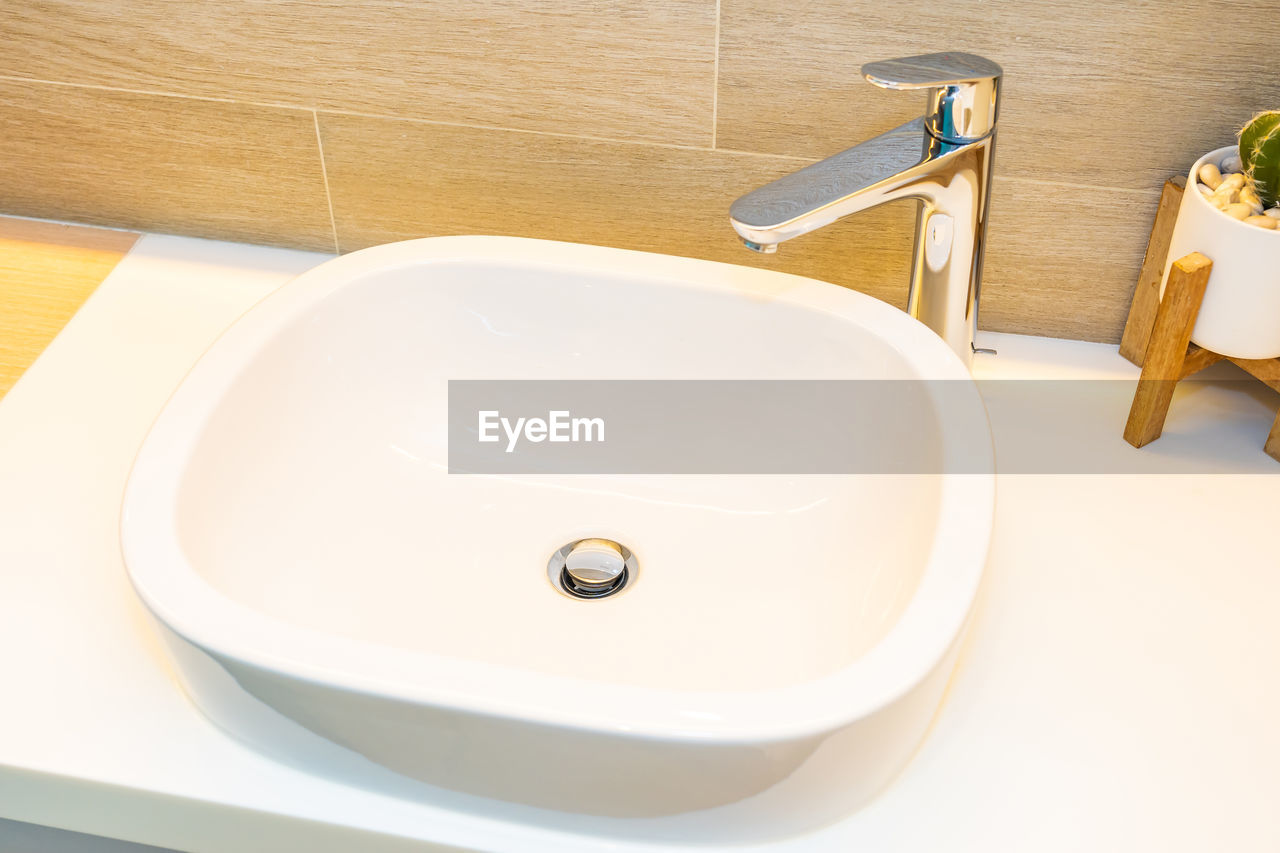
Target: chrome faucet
943,160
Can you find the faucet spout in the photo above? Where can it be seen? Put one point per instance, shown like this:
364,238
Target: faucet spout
948,174
879,170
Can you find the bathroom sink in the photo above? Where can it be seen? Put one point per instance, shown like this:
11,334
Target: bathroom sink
292,524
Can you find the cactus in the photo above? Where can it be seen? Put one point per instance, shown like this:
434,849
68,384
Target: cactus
1260,154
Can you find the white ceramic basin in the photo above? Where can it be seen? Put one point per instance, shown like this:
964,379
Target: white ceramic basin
291,524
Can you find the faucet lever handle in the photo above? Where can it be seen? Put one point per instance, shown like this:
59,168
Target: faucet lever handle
964,91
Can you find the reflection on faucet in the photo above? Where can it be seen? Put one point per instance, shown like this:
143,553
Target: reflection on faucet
943,160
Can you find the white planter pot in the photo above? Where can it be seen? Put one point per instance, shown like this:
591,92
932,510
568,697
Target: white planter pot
1240,315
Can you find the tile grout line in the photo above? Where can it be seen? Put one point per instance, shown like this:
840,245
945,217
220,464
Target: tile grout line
1072,185
643,143
324,174
341,112
715,81
338,111
154,92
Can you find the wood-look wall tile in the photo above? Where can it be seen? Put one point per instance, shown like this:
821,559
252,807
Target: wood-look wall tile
157,163
621,68
394,180
1110,94
1062,262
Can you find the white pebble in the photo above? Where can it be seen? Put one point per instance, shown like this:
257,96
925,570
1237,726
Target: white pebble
1263,222
1227,190
1249,197
1238,211
1274,212
1204,189
1235,180
1210,175
1232,164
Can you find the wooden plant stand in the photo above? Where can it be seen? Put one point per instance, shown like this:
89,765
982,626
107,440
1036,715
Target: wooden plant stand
1157,335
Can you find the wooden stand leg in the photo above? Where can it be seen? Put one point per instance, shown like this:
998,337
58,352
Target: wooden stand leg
1273,440
1167,350
1146,295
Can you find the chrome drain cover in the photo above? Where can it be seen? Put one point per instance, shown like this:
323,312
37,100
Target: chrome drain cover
592,568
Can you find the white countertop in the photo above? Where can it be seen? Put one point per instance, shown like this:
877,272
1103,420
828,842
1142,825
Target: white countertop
1119,688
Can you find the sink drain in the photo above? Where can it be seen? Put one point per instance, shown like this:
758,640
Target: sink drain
592,568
